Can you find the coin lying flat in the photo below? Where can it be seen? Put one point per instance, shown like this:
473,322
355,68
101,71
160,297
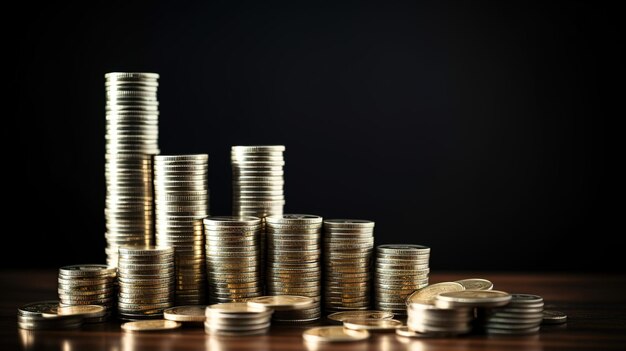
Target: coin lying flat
282,302
195,313
476,284
366,314
472,298
334,334
428,294
553,317
150,325
372,324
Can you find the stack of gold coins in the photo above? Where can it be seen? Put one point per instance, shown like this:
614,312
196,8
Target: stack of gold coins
237,319
132,116
348,244
233,258
182,201
146,281
294,262
88,284
400,270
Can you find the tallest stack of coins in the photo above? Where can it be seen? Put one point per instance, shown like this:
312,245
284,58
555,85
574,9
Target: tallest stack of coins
182,201
132,133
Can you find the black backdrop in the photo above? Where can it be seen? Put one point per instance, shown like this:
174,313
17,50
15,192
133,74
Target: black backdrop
476,128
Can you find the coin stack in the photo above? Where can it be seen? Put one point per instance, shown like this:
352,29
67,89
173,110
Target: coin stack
131,139
427,319
237,319
181,202
88,284
43,315
348,244
400,270
522,315
233,258
294,262
146,281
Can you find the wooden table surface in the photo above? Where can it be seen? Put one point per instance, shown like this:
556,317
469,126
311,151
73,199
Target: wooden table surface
595,305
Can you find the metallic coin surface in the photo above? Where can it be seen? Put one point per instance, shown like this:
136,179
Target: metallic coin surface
476,284
334,334
192,313
150,325
372,324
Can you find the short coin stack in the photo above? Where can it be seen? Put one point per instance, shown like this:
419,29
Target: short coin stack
233,258
522,315
400,270
348,244
131,139
294,262
182,201
426,319
237,318
146,281
88,284
43,315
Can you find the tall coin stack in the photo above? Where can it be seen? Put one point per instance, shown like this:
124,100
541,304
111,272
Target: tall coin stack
294,265
146,281
182,201
400,270
233,258
88,284
349,245
132,116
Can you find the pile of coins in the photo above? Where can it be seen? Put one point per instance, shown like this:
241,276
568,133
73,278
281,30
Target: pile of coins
233,255
182,201
348,247
522,315
237,318
131,139
400,270
294,263
88,284
146,281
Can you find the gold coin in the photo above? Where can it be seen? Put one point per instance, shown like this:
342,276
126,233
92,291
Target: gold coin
476,284
472,298
150,325
372,324
83,310
282,302
427,294
334,334
185,313
235,307
345,315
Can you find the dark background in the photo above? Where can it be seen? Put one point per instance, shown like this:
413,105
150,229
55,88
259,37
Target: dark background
476,128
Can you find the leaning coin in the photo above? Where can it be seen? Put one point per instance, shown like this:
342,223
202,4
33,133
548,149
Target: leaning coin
369,314
282,302
428,293
194,313
334,334
150,325
372,324
554,317
87,311
476,284
472,298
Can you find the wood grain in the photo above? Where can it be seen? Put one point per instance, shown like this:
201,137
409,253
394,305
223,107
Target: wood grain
595,304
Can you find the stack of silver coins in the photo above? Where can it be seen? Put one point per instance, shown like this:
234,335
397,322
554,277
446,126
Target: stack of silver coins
146,281
348,245
400,270
237,319
182,201
233,258
294,262
132,135
88,284
522,315
426,319
43,315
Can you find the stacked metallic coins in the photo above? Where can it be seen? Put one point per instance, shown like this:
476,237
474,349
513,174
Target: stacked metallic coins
348,247
131,137
43,315
400,270
237,319
88,284
294,262
233,258
522,315
182,201
146,281
426,319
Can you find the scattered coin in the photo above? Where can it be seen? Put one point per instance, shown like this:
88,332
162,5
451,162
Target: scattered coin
334,334
472,298
282,302
367,314
195,313
372,324
476,284
428,293
150,325
553,317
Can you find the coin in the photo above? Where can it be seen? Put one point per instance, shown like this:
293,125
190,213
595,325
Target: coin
195,313
553,317
237,319
150,325
522,315
472,298
282,302
334,334
367,314
372,324
427,294
476,284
